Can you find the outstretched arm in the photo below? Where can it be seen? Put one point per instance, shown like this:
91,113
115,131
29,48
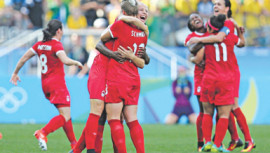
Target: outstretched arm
14,78
68,61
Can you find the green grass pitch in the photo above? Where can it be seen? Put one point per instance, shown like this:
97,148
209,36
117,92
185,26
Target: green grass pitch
18,138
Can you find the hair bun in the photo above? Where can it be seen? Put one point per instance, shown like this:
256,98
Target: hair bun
133,2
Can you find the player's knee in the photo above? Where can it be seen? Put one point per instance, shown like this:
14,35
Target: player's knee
66,116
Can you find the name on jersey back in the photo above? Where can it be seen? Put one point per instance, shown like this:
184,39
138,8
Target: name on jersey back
137,34
45,47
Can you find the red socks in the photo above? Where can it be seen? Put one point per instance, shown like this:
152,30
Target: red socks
221,129
99,139
199,127
207,125
54,124
136,134
232,128
118,135
91,130
68,128
80,146
242,122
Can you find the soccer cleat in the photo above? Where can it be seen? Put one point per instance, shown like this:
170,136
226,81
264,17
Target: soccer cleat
42,139
207,147
71,151
235,144
200,145
249,146
214,148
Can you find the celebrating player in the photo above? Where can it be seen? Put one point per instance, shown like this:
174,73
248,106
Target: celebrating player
224,7
196,26
52,57
123,83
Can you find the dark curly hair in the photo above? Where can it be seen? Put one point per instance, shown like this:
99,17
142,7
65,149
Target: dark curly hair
217,22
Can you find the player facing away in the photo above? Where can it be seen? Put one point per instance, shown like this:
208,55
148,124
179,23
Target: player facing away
52,56
123,82
224,7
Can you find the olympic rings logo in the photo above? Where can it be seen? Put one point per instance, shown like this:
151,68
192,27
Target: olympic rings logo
10,101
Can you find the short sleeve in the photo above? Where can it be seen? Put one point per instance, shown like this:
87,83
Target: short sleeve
58,48
116,28
34,48
187,39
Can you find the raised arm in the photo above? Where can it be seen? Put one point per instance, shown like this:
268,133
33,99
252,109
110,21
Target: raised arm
135,21
68,61
240,33
14,78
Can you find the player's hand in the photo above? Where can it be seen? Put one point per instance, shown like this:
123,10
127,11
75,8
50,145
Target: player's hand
118,57
126,53
79,64
193,40
178,90
14,79
242,29
141,52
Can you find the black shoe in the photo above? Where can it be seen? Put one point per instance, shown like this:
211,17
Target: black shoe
235,144
91,151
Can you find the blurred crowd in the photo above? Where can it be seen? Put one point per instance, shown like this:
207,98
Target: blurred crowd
166,18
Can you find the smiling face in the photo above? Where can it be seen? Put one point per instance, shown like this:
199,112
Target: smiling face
196,21
142,12
220,8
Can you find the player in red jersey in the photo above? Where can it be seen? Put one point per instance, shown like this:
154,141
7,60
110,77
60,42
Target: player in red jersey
196,26
217,83
96,86
52,57
224,7
123,82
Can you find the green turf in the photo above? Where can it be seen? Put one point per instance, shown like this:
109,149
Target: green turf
19,138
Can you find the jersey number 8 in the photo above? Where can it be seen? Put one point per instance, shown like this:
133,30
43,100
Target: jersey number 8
43,61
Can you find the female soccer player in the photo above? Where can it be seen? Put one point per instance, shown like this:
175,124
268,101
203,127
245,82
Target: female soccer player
217,83
124,89
196,26
224,7
52,57
98,89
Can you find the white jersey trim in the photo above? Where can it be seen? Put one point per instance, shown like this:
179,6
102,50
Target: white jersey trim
239,41
59,52
111,33
33,51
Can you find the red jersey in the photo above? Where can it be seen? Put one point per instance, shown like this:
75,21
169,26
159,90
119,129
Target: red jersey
52,69
198,71
229,24
219,59
127,36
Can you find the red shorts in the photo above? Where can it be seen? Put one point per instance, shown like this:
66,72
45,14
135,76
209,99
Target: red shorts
237,83
56,94
118,92
197,86
217,92
97,82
